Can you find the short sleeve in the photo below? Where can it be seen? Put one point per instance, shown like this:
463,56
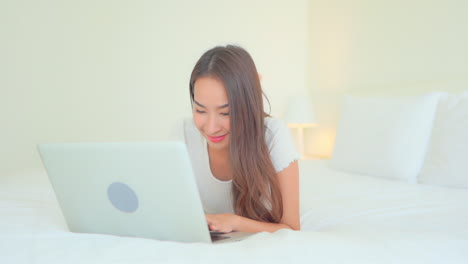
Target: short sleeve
283,151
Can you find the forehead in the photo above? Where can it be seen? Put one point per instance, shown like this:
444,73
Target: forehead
209,90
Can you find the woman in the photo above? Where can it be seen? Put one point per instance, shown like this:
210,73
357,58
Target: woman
245,162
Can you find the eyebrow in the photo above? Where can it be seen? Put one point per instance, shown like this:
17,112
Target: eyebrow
220,107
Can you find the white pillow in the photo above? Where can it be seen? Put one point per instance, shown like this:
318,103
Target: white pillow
447,158
384,136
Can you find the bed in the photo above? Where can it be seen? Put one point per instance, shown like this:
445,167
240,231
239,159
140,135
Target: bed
345,218
349,214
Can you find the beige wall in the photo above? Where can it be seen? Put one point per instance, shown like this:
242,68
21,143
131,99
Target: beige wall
119,70
396,47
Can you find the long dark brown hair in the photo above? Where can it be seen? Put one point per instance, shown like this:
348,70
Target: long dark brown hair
255,189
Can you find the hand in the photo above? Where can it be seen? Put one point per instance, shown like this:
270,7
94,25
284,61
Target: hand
222,222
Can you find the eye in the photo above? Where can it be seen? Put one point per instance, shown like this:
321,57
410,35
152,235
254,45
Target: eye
225,114
200,111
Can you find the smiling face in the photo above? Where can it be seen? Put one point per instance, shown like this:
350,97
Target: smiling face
211,112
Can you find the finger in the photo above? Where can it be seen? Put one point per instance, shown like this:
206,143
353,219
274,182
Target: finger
209,219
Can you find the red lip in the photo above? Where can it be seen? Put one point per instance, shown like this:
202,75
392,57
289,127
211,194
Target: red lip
216,139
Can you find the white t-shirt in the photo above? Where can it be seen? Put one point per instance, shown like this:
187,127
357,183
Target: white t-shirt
216,194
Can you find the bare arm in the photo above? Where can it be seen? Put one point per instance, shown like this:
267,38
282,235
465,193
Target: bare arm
288,180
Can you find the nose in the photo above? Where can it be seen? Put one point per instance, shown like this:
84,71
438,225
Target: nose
212,125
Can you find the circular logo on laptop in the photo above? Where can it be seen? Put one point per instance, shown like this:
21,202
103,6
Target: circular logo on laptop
122,197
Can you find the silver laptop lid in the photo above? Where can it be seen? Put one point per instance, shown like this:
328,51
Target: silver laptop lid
143,189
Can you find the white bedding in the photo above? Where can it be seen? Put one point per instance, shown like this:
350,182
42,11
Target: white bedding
345,218
337,201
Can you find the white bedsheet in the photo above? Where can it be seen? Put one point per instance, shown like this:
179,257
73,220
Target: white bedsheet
338,201
345,219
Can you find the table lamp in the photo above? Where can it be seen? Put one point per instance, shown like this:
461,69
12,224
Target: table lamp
300,115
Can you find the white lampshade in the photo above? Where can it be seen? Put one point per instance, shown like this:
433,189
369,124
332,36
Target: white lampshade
300,112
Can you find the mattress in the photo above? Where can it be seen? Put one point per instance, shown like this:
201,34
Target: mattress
344,218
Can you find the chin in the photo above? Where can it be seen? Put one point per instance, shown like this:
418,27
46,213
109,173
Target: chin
218,146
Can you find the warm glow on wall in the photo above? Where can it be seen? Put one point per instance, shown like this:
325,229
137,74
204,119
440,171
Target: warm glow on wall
321,143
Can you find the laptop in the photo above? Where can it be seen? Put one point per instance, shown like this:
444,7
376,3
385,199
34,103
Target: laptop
137,189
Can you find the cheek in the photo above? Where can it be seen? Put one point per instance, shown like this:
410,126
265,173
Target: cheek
198,120
227,124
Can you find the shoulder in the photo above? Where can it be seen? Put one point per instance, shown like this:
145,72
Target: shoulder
188,123
280,143
183,129
274,124
275,129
